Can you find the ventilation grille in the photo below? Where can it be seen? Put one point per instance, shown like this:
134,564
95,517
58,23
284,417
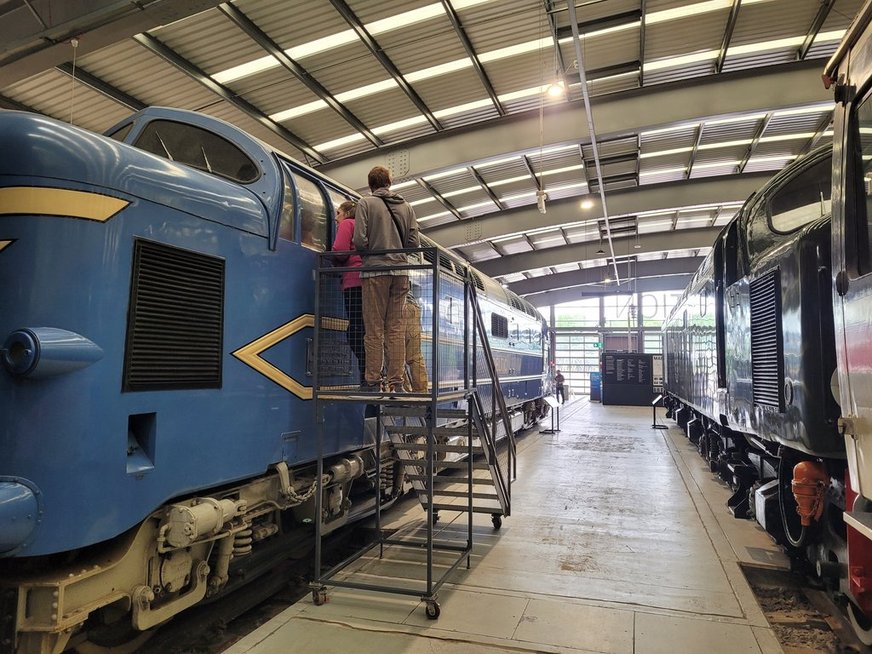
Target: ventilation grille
767,373
477,279
175,323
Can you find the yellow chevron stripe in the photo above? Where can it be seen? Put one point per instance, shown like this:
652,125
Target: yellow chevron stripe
250,354
4,245
42,201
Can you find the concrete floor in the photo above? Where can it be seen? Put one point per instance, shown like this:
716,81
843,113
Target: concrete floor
619,541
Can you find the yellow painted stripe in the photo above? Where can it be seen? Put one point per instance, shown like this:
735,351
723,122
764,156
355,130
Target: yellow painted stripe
250,354
41,201
4,245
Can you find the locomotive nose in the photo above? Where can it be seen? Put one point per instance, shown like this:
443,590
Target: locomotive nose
19,512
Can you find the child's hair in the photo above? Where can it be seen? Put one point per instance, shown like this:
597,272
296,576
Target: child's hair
348,208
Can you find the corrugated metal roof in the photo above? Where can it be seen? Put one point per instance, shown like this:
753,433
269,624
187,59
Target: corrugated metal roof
609,49
678,37
506,35
372,10
56,91
210,41
499,24
776,19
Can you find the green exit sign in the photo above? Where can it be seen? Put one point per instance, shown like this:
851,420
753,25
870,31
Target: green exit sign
598,346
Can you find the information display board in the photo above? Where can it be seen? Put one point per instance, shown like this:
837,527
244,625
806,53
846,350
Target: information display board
627,378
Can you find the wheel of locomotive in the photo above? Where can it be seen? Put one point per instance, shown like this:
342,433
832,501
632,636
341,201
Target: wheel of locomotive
794,533
497,521
134,644
861,623
108,633
702,445
433,611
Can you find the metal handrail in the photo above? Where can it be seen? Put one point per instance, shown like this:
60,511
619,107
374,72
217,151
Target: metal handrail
497,391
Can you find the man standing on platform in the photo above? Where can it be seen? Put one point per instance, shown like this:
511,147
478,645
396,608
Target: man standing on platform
559,392
384,221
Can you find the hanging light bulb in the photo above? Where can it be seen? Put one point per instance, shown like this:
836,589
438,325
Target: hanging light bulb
555,89
587,203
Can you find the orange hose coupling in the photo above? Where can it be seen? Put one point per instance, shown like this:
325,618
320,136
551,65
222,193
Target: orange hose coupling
810,483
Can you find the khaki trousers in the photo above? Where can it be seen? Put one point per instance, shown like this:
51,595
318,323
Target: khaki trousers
384,338
417,381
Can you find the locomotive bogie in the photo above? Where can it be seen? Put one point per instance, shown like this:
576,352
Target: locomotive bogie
178,556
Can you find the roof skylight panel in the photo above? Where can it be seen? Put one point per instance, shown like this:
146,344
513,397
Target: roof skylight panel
339,39
432,216
734,51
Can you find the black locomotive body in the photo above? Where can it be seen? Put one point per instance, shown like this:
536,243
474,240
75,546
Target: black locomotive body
750,354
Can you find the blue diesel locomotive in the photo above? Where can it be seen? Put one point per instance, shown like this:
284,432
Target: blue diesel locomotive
157,434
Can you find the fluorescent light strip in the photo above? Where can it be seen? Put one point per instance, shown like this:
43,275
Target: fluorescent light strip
445,173
662,171
416,203
339,39
749,48
432,216
476,205
469,189
406,184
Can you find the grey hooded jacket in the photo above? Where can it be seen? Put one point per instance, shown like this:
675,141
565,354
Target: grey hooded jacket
374,229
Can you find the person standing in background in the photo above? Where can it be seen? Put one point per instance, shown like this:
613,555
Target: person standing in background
559,392
352,292
384,221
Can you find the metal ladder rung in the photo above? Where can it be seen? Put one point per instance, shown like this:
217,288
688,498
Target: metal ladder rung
422,430
478,496
444,465
440,479
422,411
462,465
421,447
451,413
463,508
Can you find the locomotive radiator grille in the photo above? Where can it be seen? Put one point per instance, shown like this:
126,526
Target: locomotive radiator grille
767,371
175,323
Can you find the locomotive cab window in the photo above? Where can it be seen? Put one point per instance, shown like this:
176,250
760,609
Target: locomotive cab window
286,221
336,199
805,198
198,148
313,214
860,232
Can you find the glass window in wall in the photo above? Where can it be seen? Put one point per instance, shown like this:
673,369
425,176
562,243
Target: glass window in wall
583,313
657,305
620,310
313,214
653,342
576,356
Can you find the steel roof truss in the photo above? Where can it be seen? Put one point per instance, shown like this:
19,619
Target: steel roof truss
305,77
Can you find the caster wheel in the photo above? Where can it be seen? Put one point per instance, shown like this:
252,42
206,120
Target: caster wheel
497,519
433,610
319,597
435,518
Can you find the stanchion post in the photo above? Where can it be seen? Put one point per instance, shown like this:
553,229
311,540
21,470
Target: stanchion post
654,404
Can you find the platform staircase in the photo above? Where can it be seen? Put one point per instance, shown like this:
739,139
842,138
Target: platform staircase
452,489
455,441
